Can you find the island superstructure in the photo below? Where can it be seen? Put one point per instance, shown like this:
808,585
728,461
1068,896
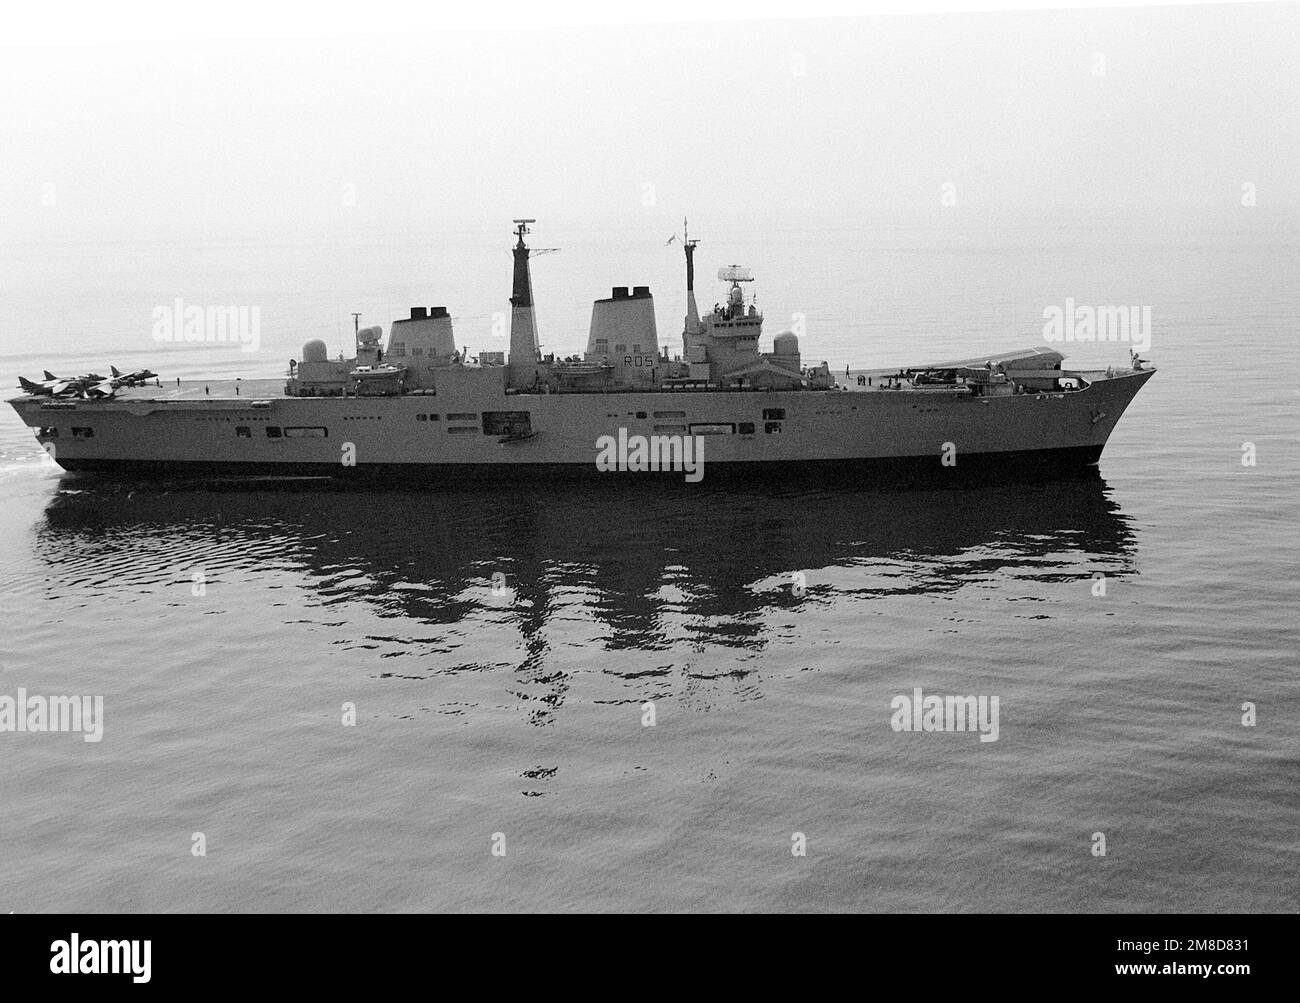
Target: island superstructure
414,405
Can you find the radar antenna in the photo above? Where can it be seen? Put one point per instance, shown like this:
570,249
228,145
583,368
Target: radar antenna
521,229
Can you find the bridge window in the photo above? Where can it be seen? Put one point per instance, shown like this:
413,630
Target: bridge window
774,414
713,428
273,431
746,428
397,348
82,432
463,416
243,432
620,349
306,432
772,427
421,417
48,432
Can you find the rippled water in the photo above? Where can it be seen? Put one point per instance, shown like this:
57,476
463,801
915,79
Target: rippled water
771,629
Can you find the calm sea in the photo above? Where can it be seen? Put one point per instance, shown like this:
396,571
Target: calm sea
499,645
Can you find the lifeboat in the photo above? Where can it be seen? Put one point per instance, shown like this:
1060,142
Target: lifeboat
381,380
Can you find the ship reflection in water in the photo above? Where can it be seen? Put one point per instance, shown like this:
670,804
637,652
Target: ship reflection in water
644,585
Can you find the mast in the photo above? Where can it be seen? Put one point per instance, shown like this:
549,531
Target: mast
692,312
524,350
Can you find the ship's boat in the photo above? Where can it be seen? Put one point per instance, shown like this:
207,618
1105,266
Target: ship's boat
378,380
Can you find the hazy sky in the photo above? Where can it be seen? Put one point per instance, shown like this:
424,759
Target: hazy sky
853,117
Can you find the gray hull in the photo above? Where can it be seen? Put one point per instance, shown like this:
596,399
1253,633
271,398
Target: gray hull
445,439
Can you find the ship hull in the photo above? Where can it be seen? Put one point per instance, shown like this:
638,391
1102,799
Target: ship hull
871,436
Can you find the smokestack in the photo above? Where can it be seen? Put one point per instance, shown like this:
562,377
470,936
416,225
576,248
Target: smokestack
525,353
627,321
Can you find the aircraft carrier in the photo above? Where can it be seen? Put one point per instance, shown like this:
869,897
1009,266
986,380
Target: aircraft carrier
415,406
